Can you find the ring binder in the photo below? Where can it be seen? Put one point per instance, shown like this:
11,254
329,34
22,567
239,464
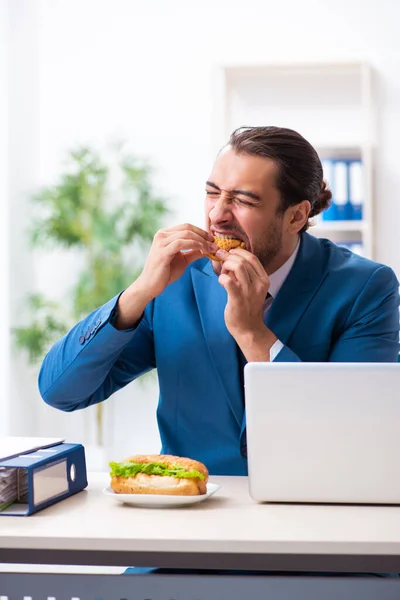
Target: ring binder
34,480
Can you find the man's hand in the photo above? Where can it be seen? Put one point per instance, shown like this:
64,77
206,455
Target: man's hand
247,285
165,264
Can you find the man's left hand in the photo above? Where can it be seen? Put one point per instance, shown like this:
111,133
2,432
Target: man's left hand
247,285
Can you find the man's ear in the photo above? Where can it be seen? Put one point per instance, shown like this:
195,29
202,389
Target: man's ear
297,216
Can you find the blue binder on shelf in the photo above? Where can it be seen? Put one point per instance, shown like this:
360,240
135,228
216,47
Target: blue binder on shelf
339,209
345,178
37,474
356,191
357,247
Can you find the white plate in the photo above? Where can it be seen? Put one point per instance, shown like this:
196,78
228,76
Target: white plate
160,501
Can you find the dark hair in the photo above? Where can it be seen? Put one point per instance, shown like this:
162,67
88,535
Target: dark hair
300,175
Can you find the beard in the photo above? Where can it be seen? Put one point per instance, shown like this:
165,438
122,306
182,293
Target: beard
265,248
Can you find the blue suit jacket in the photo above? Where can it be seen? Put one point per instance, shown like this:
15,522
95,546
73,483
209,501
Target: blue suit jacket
333,306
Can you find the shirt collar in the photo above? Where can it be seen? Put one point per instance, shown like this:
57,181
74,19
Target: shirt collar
278,277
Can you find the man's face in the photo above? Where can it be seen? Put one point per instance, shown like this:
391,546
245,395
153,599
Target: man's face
242,201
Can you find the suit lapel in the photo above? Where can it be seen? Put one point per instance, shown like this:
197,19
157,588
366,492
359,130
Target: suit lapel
211,300
298,289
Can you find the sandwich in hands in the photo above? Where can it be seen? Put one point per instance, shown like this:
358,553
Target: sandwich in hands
226,243
159,474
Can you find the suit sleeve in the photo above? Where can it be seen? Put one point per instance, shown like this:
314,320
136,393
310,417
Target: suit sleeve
94,359
371,332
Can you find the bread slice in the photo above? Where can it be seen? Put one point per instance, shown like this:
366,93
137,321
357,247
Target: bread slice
143,483
156,484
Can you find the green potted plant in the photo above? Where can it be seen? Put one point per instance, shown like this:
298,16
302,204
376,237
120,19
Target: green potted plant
107,211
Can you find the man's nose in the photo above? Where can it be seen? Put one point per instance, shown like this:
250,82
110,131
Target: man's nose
221,211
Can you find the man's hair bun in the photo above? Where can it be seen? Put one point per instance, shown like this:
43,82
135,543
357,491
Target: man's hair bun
323,201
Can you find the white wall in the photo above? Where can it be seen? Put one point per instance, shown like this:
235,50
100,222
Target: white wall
4,249
86,70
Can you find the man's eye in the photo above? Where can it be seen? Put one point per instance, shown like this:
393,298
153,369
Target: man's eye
245,202
212,193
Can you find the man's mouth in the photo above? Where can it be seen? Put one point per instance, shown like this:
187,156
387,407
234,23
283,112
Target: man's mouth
227,236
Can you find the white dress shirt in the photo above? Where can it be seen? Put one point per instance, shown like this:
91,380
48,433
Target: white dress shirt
276,282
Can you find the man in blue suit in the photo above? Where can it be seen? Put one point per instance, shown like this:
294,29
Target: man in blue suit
287,297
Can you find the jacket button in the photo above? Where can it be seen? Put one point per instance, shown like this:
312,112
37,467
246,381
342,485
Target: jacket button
243,451
87,335
82,339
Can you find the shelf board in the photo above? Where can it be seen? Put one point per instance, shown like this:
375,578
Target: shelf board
289,68
337,152
327,226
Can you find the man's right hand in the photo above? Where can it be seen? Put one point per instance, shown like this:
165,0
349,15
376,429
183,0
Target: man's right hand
165,264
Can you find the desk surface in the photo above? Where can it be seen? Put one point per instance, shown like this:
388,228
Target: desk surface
229,530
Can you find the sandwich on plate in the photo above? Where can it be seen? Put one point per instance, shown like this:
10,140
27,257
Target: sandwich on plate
159,474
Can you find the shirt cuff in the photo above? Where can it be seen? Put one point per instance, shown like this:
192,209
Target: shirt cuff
274,350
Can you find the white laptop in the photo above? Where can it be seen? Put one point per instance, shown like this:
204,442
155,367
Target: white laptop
323,432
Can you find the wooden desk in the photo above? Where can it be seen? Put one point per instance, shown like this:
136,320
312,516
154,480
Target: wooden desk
228,531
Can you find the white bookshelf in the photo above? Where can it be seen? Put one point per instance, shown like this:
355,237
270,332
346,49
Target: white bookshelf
330,104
